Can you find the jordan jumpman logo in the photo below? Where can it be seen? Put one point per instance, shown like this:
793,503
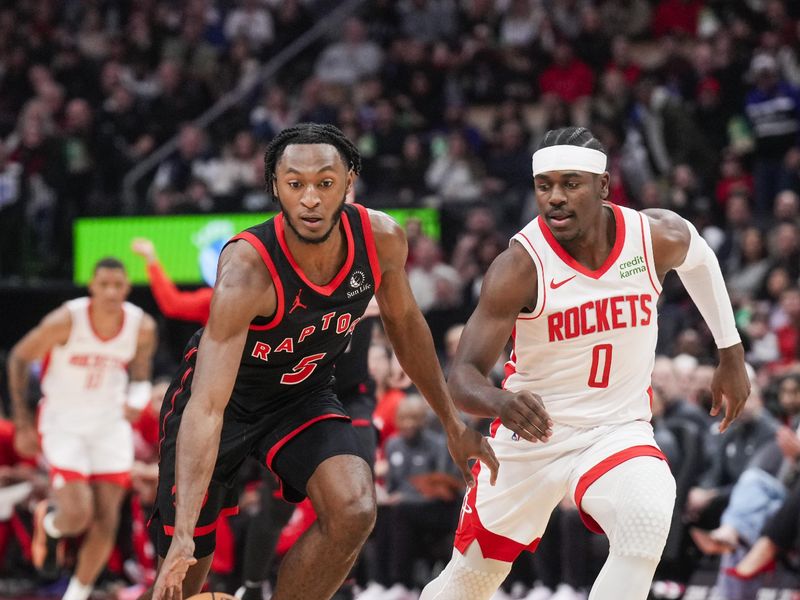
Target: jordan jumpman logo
297,303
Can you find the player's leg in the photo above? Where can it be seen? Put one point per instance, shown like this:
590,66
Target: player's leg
633,504
70,508
499,522
101,533
322,459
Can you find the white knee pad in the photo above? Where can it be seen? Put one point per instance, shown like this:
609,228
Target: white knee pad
633,503
467,577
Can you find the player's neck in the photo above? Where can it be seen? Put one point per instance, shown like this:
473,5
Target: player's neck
594,245
319,262
106,322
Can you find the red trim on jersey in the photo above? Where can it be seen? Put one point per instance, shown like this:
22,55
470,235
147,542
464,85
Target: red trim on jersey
294,433
511,364
273,272
544,283
619,242
330,287
494,427
206,529
122,479
172,402
361,423
650,396
647,258
603,467
369,241
94,329
470,529
45,365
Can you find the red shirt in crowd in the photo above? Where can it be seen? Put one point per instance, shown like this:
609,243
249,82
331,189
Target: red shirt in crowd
568,82
176,304
676,16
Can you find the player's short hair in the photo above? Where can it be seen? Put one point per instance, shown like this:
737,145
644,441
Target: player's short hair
572,136
309,133
109,262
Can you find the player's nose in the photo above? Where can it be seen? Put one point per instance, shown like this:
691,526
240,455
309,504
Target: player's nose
310,197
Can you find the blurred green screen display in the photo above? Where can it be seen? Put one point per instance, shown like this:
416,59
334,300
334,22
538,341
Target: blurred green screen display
187,246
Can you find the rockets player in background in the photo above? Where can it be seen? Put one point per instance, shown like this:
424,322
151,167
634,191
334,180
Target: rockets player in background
576,291
97,354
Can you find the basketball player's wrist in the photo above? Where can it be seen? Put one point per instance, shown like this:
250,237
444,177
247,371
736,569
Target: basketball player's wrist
734,352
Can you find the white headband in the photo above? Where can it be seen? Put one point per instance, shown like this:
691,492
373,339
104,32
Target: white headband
568,158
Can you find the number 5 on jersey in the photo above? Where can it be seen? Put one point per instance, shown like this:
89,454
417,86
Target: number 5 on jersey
302,370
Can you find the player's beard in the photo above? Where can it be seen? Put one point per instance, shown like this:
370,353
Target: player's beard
337,215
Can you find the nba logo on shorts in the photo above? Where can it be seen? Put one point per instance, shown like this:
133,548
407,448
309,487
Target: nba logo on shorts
514,437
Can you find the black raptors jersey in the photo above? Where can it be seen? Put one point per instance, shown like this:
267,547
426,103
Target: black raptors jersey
292,353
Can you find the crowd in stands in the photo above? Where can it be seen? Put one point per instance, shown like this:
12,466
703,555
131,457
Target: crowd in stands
696,101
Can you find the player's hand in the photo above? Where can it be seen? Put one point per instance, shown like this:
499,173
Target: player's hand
730,385
144,248
524,414
169,583
26,440
465,443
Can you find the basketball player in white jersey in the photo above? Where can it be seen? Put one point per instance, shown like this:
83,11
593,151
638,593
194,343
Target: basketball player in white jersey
97,359
576,291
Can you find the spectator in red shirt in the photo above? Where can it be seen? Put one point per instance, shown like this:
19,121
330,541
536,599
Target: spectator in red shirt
570,80
173,303
676,16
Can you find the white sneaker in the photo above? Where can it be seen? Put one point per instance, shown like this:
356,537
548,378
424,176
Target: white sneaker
567,592
540,592
373,591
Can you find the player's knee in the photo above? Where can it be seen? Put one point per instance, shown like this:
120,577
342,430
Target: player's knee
644,515
75,518
353,519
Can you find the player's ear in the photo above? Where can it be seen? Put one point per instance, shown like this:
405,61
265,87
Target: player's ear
605,180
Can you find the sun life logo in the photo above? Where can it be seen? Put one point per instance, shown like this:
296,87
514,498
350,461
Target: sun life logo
358,281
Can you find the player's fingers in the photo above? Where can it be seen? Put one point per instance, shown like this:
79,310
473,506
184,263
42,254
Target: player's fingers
716,401
489,458
536,423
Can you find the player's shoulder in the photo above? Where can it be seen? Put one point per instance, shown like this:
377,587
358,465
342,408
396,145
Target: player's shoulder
383,224
666,226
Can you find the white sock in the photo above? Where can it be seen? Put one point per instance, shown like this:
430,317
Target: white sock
49,525
77,591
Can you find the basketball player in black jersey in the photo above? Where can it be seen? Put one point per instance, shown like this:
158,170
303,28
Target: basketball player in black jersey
258,380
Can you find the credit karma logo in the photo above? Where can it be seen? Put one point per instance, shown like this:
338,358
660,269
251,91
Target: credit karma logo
209,242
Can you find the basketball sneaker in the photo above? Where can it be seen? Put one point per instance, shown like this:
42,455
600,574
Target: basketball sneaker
46,551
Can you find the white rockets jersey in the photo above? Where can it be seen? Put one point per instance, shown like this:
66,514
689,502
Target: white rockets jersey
588,347
84,382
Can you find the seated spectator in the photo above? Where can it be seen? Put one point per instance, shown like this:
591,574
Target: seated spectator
435,284
419,501
454,175
355,57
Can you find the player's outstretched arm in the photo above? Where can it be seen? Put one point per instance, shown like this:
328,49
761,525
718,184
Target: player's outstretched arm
172,302
508,288
242,292
52,331
677,245
412,342
140,369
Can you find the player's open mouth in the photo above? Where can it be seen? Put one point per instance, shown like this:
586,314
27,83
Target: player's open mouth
312,222
559,220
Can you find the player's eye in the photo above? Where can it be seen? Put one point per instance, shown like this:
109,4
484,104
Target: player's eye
294,184
542,187
326,183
